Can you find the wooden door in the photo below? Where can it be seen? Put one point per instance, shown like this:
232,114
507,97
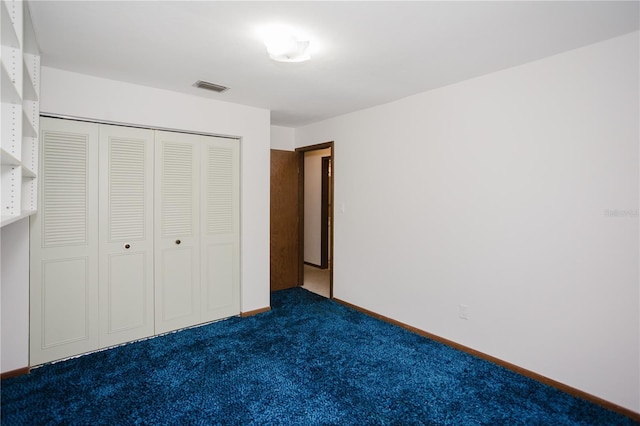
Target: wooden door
220,235
177,231
126,234
284,220
64,243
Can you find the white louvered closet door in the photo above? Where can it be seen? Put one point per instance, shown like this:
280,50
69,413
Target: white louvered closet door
177,235
64,243
126,234
220,235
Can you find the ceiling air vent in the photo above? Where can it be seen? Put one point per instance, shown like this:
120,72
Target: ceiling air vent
210,86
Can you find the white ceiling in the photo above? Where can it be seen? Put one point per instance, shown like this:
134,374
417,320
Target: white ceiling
369,52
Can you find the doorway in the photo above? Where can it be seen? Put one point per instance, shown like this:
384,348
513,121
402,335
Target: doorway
296,259
316,218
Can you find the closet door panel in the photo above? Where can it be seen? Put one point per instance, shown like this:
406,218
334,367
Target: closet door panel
177,229
219,290
179,287
220,262
65,301
126,234
64,244
127,291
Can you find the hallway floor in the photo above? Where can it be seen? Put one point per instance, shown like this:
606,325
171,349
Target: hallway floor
316,280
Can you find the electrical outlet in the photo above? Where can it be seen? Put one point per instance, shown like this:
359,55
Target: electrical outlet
463,311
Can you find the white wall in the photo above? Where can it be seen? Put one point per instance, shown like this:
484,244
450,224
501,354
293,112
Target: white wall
14,296
515,193
313,204
282,138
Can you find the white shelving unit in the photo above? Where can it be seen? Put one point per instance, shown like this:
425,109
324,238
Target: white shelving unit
20,112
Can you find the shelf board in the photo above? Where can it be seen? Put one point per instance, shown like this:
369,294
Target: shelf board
27,172
7,159
9,36
28,131
28,89
10,93
30,42
14,218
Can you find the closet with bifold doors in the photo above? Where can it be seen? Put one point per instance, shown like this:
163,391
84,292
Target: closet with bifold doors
137,235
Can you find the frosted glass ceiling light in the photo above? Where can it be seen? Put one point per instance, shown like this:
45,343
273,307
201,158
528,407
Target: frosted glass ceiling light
284,46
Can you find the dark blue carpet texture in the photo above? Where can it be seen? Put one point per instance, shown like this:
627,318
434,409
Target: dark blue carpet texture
309,361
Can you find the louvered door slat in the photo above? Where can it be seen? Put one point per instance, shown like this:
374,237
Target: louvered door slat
177,187
219,190
127,170
64,182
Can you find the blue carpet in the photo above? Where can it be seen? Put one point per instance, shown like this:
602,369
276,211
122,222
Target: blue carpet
309,361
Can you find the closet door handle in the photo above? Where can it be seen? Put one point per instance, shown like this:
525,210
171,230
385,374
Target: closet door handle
178,242
127,246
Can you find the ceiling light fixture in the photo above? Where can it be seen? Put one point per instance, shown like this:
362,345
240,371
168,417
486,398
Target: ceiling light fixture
285,45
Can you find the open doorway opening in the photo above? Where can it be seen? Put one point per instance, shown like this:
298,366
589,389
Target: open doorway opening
316,214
